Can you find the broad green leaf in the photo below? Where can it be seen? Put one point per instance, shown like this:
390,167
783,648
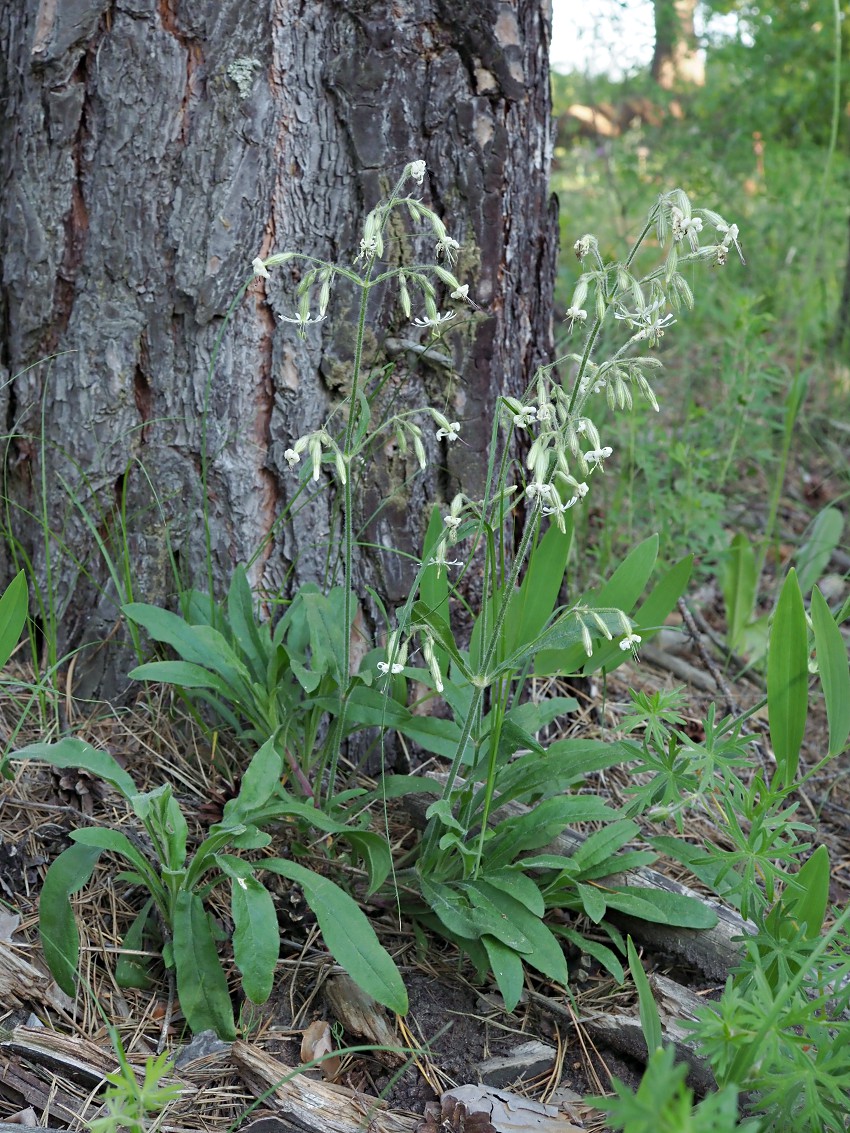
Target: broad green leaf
807,901
132,970
13,615
537,828
593,901
565,763
534,603
648,618
104,838
600,952
256,934
531,716
201,983
370,708
164,821
184,674
60,940
546,954
441,631
507,970
170,629
349,937
519,886
243,624
660,907
740,587
72,752
434,584
650,1020
627,583
788,679
504,928
599,848
834,672
260,780
709,872
327,632
374,851
813,556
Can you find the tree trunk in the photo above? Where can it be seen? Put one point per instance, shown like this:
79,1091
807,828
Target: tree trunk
676,58
150,150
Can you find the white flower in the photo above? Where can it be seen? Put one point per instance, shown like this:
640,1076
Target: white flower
447,247
384,668
291,457
584,245
451,433
582,490
462,292
524,418
597,455
543,493
260,268
417,171
630,642
576,315
301,321
561,507
545,412
730,236
435,322
452,522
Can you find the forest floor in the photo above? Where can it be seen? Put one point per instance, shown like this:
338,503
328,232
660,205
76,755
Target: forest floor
462,1031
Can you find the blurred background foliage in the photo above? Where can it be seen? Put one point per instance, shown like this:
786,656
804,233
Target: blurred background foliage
753,122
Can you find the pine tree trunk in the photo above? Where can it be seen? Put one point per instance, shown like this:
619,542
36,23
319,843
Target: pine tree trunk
150,150
676,57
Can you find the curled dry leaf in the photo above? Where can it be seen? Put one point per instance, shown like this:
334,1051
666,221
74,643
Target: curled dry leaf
316,1044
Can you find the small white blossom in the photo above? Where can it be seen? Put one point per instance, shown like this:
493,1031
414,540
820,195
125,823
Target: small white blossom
576,315
448,248
730,233
597,455
260,268
452,522
417,171
582,490
384,668
291,457
543,493
583,246
630,643
545,413
524,418
301,320
435,322
462,292
450,434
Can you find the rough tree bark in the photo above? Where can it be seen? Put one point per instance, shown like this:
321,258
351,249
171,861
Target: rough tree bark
149,150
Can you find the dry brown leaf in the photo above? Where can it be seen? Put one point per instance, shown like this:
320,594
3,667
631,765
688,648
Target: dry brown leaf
317,1043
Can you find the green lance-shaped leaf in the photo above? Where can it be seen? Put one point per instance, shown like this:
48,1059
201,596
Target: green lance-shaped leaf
650,1020
13,615
256,936
201,984
60,940
349,937
787,679
507,970
740,585
72,752
834,672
